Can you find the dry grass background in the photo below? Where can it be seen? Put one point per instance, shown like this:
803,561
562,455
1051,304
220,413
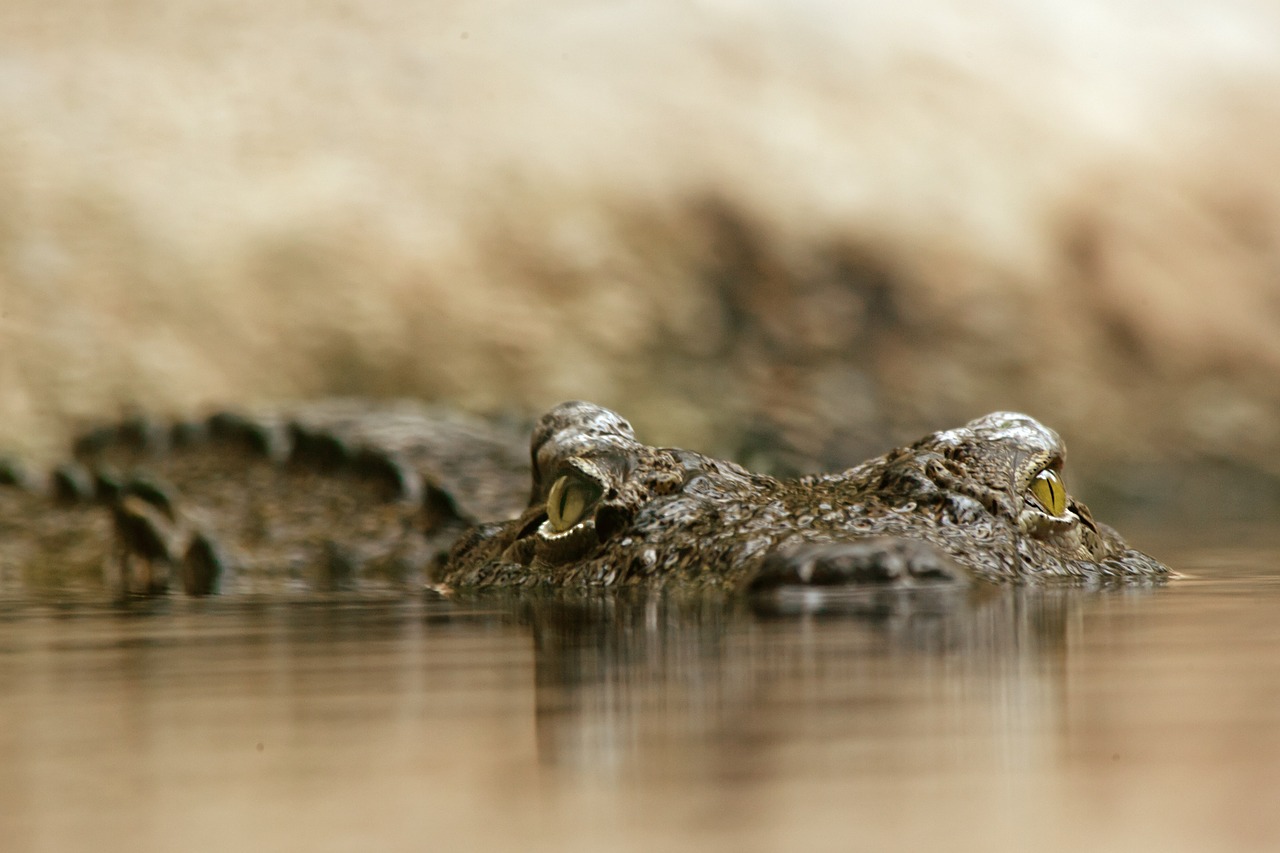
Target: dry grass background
836,223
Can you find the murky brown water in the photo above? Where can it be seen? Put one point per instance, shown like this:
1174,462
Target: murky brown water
1019,719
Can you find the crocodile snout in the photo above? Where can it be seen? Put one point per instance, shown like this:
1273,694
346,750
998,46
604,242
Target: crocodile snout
874,560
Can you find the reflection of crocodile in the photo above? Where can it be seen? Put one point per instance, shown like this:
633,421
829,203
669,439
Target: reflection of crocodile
346,492
605,661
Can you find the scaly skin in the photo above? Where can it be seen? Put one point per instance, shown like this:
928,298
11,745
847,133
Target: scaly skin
336,494
347,493
953,507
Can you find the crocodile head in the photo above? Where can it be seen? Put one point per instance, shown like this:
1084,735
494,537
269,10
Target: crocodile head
985,501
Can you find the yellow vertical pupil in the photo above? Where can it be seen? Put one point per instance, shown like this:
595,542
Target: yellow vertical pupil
1050,492
567,501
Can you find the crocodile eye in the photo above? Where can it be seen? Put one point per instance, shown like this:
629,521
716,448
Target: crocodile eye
570,498
1050,491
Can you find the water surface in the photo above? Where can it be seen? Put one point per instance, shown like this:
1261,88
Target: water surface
1049,719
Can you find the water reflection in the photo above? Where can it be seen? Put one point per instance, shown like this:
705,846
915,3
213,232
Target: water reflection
614,673
981,719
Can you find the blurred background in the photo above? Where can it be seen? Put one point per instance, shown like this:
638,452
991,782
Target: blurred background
794,233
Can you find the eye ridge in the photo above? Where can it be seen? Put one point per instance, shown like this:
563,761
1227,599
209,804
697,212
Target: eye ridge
1050,492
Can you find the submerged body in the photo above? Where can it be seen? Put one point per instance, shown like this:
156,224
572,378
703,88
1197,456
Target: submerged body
985,501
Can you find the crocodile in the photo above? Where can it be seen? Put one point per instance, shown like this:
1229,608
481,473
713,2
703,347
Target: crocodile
347,493
328,495
986,502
